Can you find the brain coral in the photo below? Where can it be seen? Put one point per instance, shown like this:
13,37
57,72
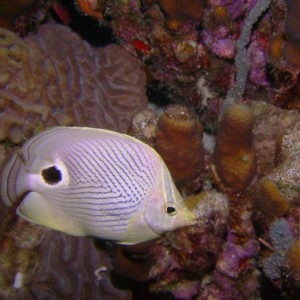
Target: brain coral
55,78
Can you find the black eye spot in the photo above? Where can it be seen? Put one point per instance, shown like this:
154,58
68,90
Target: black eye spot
171,210
52,175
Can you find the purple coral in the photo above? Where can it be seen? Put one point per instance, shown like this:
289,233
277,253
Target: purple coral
281,240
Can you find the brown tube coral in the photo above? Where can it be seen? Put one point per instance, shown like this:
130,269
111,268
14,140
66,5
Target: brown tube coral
270,200
292,23
178,12
234,161
179,142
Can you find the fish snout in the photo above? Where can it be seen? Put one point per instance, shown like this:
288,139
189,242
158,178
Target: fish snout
184,217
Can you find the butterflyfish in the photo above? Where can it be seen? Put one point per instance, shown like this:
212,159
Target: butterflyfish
94,182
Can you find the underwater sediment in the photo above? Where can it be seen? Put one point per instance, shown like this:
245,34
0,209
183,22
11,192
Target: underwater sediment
224,77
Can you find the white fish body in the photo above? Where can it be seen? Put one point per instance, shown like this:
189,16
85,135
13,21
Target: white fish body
94,182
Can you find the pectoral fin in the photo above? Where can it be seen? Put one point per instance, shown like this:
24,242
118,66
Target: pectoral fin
36,210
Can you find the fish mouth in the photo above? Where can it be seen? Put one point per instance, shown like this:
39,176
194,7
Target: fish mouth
191,218
184,218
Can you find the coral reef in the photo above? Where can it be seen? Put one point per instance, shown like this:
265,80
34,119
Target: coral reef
283,66
278,191
84,268
270,200
144,125
234,161
281,241
286,175
133,261
186,45
259,213
242,61
179,142
179,12
235,267
189,254
185,48
21,264
231,65
54,78
24,17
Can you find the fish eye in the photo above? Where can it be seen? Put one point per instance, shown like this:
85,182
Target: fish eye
52,175
171,210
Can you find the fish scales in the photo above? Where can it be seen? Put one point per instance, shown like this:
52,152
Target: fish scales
110,168
94,182
112,202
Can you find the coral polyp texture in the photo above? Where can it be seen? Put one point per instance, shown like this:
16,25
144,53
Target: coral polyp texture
286,175
55,78
234,160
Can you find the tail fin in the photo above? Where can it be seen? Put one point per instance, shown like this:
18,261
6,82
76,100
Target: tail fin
9,180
